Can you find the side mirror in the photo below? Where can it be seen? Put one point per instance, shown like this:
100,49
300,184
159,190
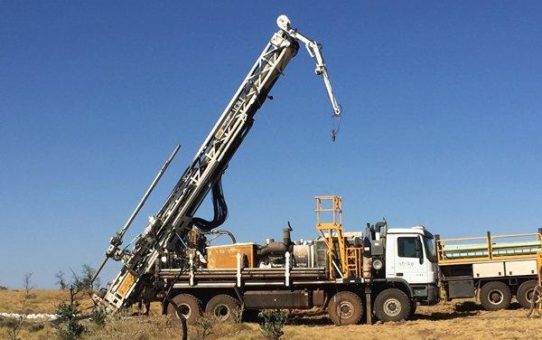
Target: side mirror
419,250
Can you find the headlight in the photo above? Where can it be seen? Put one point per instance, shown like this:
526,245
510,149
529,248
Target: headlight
377,264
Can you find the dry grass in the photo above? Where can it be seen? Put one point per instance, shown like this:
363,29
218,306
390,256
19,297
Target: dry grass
160,327
39,301
444,321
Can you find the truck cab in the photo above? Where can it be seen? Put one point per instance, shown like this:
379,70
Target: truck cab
405,257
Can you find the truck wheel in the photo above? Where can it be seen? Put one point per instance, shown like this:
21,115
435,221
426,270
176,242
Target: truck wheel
392,304
223,308
495,295
525,293
188,305
345,308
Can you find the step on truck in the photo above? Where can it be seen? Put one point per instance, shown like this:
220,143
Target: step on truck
493,268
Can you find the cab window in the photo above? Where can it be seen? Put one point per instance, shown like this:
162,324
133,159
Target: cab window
406,246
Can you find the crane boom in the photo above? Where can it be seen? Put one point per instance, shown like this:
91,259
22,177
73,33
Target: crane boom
176,218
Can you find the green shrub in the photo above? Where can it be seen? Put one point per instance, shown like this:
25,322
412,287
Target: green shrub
98,316
204,326
35,327
68,319
272,322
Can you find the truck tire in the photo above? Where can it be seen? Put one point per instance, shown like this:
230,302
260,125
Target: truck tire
392,304
495,295
189,306
345,308
525,293
224,308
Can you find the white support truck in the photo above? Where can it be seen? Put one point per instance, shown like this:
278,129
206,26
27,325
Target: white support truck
490,268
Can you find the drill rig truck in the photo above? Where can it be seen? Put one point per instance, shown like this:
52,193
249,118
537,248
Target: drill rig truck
171,261
352,276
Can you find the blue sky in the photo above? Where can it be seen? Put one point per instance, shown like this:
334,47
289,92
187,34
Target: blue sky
442,114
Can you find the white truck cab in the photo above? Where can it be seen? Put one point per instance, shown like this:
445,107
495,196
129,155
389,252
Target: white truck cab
410,254
405,257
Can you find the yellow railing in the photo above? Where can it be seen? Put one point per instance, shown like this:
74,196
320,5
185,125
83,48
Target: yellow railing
488,248
329,224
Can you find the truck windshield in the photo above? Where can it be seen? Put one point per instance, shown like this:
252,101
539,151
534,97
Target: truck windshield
429,244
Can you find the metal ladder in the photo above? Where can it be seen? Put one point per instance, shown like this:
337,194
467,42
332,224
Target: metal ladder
329,224
353,259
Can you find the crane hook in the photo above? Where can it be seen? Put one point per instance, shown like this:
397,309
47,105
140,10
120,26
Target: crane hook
337,125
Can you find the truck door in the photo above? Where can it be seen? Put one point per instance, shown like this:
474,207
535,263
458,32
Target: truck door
410,262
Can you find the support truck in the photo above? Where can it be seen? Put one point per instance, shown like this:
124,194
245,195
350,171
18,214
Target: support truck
491,268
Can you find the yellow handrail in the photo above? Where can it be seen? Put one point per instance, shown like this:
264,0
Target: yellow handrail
487,250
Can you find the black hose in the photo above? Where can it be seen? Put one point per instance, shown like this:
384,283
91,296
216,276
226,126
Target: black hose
220,209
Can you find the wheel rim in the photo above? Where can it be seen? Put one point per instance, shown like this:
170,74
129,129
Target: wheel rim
185,310
345,310
392,307
495,297
221,312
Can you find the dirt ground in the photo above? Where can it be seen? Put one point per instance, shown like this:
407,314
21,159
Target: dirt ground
444,321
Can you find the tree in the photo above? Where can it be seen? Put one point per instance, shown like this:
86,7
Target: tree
69,315
27,283
83,281
60,280
70,312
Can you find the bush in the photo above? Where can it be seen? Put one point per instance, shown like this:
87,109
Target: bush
68,316
204,326
14,327
71,331
98,316
272,322
36,327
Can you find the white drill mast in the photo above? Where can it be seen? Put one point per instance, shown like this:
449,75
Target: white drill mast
176,217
